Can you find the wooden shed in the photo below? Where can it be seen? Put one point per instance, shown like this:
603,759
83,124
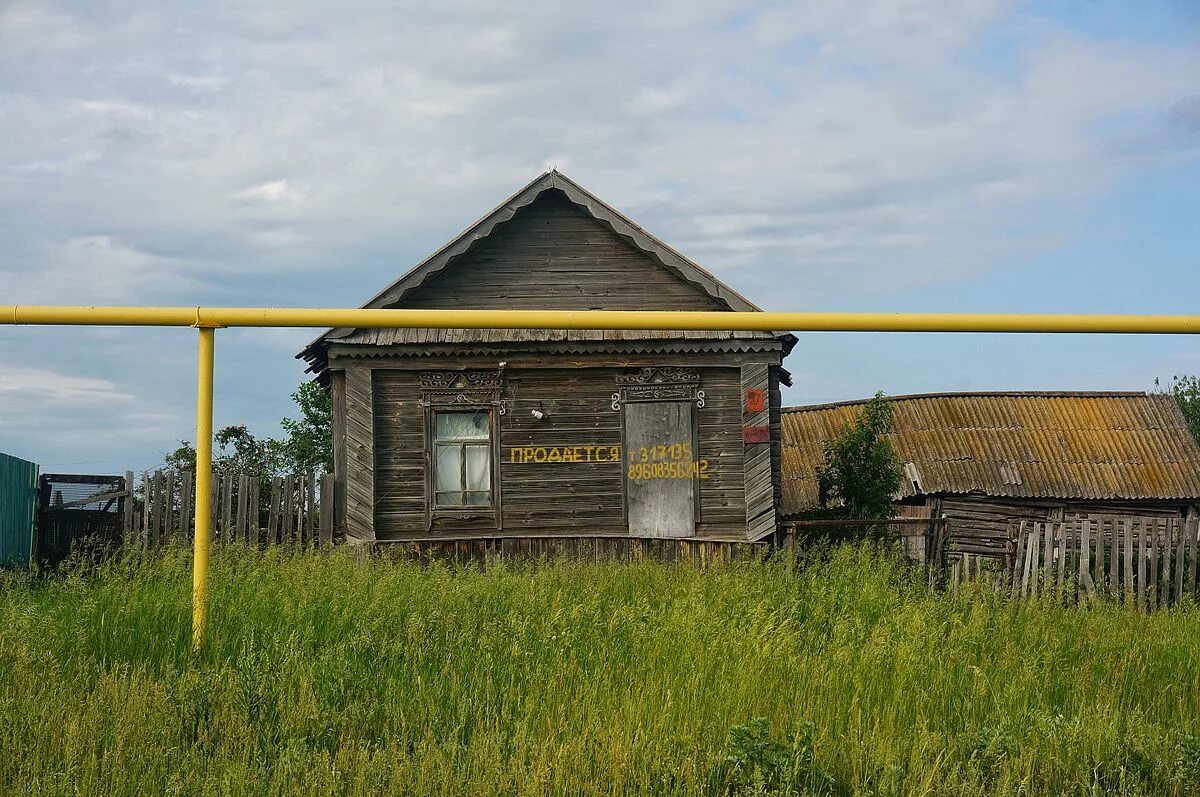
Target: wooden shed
988,460
470,434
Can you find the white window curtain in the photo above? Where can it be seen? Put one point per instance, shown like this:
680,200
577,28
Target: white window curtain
462,467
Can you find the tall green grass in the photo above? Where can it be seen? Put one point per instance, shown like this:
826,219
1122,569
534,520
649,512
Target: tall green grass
326,677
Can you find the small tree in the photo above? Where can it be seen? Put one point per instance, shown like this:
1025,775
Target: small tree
1186,391
235,448
308,445
861,473
309,442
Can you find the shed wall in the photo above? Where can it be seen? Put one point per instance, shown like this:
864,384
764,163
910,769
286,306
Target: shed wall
983,525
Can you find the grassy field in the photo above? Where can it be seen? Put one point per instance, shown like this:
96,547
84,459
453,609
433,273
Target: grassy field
323,677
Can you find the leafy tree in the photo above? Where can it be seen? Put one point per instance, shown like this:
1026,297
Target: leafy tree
861,473
308,444
309,441
1186,390
234,448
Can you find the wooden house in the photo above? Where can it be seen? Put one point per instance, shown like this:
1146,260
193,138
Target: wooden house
481,434
986,461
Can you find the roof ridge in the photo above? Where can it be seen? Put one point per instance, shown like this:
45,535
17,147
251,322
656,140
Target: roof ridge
978,394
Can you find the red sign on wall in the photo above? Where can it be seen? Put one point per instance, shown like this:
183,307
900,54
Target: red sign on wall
756,434
756,399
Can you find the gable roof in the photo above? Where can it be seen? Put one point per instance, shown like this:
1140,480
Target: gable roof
1056,445
598,210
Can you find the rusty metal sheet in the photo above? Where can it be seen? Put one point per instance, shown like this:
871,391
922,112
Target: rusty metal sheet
1058,445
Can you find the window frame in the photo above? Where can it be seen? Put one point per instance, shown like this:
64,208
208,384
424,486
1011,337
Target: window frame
488,444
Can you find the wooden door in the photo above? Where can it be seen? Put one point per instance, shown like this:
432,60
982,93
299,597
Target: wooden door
660,484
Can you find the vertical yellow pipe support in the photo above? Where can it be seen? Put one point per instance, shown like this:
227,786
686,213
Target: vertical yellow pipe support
204,421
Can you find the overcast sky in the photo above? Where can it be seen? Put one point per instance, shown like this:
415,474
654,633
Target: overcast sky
922,155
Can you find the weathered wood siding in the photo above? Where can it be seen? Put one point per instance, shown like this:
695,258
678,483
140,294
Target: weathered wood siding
565,498
562,497
983,525
337,394
759,475
360,455
399,454
554,255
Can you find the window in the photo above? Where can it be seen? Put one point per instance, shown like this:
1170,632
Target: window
462,459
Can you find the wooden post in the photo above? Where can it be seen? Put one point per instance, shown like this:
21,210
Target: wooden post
326,536
273,512
227,530
289,509
214,504
1168,545
186,489
1030,547
1127,534
1141,567
240,533
1114,571
1038,529
1192,525
1085,554
1152,590
160,508
169,508
1071,559
1048,562
253,513
311,522
147,497
1061,538
1180,555
127,530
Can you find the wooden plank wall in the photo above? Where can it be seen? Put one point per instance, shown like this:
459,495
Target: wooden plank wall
559,498
723,493
562,499
337,395
983,525
775,400
360,454
399,454
758,460
552,254
293,510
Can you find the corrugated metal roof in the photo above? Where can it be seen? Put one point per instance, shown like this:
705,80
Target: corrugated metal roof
1028,445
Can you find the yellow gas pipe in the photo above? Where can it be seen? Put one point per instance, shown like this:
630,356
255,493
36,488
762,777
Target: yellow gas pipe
595,319
204,422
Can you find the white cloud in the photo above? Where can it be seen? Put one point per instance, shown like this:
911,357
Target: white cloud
29,26
42,384
274,191
199,82
95,269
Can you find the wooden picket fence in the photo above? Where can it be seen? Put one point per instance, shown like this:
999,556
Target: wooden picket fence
1147,562
294,510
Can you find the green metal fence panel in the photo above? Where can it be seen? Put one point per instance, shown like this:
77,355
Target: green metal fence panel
18,509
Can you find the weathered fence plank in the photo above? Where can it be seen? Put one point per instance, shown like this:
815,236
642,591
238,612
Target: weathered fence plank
288,511
326,510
